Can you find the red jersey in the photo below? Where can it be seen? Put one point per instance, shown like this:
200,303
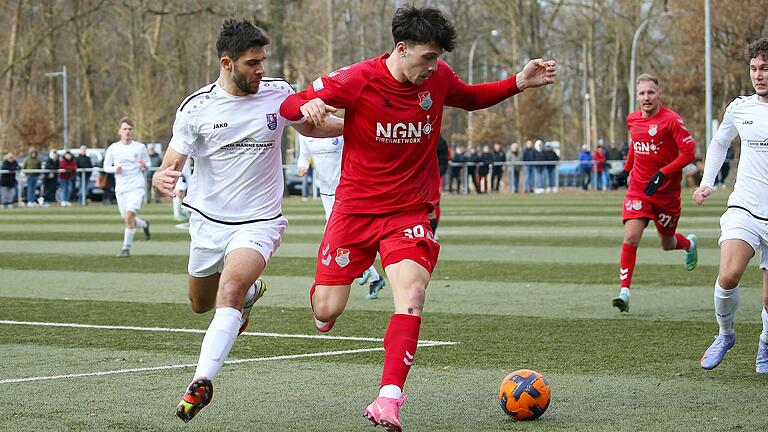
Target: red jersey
661,142
391,130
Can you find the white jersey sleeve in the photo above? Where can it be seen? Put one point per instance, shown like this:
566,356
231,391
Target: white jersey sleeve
109,161
718,147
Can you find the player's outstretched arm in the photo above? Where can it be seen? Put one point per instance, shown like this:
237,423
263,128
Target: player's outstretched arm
331,126
168,173
537,73
701,194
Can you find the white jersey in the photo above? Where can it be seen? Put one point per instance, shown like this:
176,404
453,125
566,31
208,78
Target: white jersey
326,154
236,144
747,117
127,156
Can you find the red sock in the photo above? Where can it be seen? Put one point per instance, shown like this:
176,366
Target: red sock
399,348
682,242
628,258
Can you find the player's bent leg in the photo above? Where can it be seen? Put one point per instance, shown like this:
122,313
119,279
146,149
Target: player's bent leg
202,292
328,303
409,280
633,233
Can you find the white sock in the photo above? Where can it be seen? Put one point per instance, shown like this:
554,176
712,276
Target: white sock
390,391
140,223
726,302
764,334
176,207
218,340
374,274
624,290
128,237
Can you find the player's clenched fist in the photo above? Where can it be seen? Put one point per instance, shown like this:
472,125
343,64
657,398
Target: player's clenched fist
701,194
165,179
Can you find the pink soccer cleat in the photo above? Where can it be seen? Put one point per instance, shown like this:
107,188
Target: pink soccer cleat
385,411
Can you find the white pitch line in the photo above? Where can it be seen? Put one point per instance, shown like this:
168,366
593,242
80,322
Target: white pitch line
200,331
423,344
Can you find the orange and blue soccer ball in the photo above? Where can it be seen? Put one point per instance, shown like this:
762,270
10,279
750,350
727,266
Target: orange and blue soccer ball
524,395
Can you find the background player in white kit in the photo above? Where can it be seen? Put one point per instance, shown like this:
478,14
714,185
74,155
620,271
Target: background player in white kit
233,130
326,154
127,160
744,225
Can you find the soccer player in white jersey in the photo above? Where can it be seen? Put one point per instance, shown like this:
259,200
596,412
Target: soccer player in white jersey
127,159
326,154
233,130
744,225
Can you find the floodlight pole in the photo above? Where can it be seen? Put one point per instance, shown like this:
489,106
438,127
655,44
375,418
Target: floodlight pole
633,59
63,74
708,68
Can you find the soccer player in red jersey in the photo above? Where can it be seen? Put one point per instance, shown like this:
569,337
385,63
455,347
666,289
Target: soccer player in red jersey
390,181
660,147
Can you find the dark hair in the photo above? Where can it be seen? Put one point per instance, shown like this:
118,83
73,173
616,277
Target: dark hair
758,48
125,120
237,37
422,26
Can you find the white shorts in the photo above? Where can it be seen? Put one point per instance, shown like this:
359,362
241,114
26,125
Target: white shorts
181,185
211,242
738,224
130,201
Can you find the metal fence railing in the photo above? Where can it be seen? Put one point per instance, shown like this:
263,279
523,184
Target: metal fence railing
464,177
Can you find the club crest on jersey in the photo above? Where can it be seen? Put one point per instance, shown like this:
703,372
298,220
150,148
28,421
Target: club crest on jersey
336,141
272,121
425,100
652,129
633,205
342,257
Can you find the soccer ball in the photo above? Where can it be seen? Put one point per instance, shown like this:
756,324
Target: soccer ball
524,395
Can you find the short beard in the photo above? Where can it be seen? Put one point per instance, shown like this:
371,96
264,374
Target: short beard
241,83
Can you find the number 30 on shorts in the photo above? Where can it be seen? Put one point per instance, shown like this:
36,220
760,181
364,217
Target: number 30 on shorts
418,231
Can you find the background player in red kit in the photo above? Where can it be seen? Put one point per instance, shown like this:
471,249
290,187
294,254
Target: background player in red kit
660,147
389,182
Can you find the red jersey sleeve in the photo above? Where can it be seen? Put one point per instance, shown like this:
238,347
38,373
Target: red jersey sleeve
339,89
478,96
685,144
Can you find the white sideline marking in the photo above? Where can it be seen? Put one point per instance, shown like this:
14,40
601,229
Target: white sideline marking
182,330
422,343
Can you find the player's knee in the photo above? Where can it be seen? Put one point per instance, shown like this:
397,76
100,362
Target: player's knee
324,310
416,294
200,305
728,279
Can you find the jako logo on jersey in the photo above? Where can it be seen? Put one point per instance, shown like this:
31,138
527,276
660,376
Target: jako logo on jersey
272,121
342,257
425,100
219,125
747,122
652,130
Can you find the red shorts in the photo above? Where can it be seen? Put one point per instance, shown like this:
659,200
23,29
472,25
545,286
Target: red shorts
663,212
350,244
